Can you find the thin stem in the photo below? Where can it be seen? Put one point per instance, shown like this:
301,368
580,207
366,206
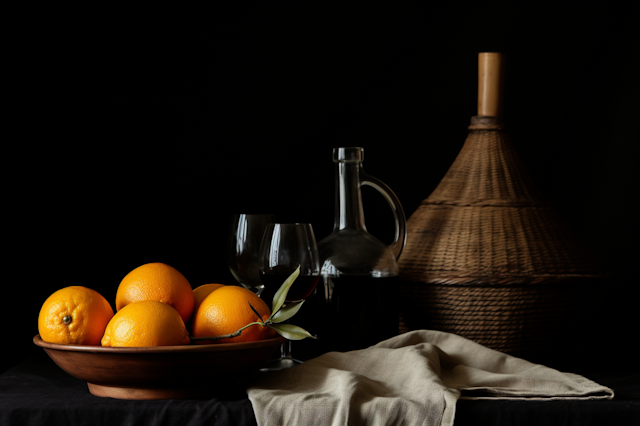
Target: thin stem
285,350
226,336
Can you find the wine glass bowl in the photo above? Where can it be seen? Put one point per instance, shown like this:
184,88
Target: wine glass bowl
243,243
286,247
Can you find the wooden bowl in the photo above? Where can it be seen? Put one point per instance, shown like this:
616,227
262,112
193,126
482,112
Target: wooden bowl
162,372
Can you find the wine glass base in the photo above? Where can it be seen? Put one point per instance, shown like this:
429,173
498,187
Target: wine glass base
280,364
257,289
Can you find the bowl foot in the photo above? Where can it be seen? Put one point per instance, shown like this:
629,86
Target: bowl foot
148,393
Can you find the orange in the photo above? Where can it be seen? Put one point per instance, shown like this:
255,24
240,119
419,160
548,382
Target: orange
226,310
200,293
157,281
74,315
146,323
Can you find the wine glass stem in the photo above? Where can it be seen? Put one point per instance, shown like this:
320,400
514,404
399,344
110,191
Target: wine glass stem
285,350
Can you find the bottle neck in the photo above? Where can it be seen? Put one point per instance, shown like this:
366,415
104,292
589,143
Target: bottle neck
348,204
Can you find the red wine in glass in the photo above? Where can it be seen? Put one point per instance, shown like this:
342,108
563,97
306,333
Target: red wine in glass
286,247
301,288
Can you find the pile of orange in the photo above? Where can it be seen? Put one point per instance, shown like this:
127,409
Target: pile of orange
154,305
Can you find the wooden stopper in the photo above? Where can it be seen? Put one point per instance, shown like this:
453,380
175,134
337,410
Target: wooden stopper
490,83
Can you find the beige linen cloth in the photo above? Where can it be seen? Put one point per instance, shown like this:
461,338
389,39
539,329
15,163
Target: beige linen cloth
412,379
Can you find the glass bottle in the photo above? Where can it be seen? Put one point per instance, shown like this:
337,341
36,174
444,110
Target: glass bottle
360,273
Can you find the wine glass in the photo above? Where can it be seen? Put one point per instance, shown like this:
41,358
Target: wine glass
285,246
243,243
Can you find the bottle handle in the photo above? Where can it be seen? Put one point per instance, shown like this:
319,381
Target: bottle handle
400,237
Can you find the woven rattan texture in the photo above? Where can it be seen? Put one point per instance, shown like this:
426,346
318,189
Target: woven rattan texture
512,319
487,172
488,257
491,245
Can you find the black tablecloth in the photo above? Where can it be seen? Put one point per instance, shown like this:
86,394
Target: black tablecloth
37,392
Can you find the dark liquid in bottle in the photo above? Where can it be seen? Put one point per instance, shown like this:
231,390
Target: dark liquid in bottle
360,311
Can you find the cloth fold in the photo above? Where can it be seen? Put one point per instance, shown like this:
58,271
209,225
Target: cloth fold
411,379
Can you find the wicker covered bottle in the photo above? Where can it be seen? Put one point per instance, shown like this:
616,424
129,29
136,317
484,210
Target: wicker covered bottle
487,256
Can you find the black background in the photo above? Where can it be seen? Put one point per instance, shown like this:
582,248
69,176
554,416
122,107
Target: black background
132,135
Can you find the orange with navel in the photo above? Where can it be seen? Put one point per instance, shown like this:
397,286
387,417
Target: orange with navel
159,282
146,323
227,310
74,315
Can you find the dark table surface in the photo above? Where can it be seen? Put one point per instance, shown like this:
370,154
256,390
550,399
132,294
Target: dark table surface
38,392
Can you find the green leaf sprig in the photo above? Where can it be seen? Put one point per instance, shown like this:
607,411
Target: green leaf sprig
279,313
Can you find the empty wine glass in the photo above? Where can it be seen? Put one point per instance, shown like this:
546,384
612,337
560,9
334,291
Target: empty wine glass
243,243
285,246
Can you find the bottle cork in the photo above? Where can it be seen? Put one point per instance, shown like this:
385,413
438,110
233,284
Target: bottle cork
490,84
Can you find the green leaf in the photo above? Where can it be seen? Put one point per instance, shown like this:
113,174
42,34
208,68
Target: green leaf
257,313
287,312
291,332
281,295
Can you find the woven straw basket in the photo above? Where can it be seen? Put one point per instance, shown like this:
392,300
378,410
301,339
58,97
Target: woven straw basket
487,257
